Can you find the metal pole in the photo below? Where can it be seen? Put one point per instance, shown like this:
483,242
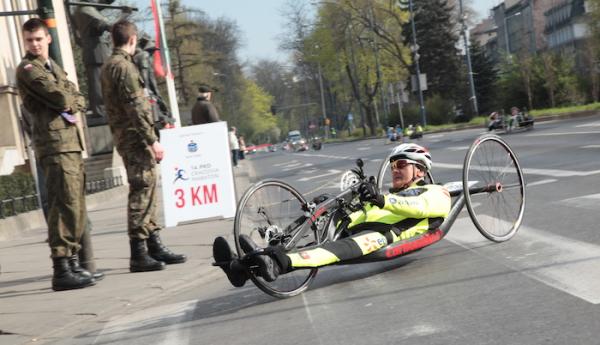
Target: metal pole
417,67
46,12
323,101
506,35
469,66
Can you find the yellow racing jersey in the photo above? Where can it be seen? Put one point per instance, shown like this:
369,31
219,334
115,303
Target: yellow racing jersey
411,211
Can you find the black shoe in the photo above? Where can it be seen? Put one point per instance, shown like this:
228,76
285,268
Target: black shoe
159,252
267,268
140,260
228,262
65,279
97,275
76,268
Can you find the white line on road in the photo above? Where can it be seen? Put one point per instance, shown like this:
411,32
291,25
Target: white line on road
364,148
458,148
588,202
284,163
560,133
322,156
533,171
560,262
590,147
171,331
329,173
297,166
540,182
591,124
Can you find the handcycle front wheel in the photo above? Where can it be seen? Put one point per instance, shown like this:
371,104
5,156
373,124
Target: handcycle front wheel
491,165
264,213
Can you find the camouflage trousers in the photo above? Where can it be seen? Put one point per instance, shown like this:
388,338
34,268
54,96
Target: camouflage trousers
67,215
141,207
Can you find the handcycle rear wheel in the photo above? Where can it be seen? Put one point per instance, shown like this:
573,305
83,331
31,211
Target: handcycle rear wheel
384,177
263,213
498,212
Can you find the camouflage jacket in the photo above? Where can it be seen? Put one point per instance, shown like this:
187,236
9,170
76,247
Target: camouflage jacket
127,105
46,94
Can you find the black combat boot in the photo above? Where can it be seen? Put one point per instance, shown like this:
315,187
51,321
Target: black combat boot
159,252
65,279
80,268
140,260
76,268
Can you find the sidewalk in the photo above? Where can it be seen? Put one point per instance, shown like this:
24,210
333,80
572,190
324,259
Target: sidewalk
31,313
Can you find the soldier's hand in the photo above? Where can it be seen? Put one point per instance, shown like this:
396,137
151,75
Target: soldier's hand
158,150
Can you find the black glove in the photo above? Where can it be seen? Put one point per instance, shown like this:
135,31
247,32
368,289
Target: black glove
370,193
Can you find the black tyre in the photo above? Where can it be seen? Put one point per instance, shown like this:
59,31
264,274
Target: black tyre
264,213
384,176
491,165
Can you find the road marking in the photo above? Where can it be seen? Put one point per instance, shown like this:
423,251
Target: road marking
329,173
167,316
560,133
364,148
323,156
590,147
284,163
591,124
588,202
533,171
297,166
540,182
560,262
430,136
458,148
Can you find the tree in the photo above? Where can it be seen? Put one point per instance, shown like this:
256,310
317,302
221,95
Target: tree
485,77
437,40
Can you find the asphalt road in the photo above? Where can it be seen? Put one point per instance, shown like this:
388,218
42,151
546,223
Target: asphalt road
541,287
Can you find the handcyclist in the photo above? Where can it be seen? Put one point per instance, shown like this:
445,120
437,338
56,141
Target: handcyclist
410,209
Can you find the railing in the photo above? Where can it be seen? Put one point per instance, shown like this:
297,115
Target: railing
92,187
13,206
21,204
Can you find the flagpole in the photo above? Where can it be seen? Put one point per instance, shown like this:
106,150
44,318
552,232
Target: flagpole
169,75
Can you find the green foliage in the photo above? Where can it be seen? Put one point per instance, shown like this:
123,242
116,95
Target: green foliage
439,110
485,77
17,185
437,40
256,122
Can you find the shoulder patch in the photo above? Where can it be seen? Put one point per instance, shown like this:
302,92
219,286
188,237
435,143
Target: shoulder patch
28,67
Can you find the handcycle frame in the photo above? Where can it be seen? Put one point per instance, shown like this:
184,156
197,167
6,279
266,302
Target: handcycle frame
339,207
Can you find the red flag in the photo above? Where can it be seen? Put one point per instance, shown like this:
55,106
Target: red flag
159,69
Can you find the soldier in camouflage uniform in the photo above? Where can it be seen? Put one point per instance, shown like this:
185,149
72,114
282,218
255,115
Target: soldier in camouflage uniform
52,100
132,125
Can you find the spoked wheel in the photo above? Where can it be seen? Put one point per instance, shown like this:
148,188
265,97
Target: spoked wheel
384,177
492,166
264,213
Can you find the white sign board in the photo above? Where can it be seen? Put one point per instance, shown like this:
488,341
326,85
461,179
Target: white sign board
196,173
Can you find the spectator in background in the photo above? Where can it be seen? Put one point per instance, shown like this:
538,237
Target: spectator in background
242,143
234,145
204,111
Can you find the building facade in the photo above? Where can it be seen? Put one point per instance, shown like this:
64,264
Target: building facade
13,143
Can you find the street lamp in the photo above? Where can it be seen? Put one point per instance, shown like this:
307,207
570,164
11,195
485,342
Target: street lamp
469,66
417,67
506,30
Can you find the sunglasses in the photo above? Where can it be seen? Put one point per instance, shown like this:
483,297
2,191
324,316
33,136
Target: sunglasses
399,164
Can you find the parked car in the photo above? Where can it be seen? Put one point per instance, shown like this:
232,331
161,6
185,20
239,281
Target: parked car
250,149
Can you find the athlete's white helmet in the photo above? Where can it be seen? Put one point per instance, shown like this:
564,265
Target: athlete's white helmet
413,153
